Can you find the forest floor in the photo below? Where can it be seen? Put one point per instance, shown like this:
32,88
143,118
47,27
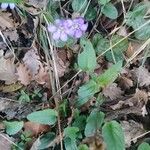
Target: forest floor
75,75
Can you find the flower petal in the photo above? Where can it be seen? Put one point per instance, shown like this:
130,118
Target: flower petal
63,36
84,27
51,28
78,34
4,5
58,22
79,20
11,5
68,23
56,35
70,32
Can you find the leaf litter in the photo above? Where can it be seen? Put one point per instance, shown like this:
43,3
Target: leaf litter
88,73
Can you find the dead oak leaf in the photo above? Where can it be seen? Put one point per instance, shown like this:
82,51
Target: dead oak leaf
7,70
32,61
143,76
112,91
61,67
11,34
42,76
131,130
5,143
24,74
6,21
35,128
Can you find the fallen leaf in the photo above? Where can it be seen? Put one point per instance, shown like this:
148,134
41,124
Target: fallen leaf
139,99
112,91
32,61
61,67
5,142
143,76
24,74
35,128
11,87
95,143
6,21
42,76
7,70
131,130
125,82
11,34
37,3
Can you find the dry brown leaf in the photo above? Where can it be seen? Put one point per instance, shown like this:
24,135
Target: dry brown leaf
131,130
125,83
24,74
61,67
11,88
6,21
37,3
112,91
42,76
95,143
32,61
133,47
7,70
138,100
35,128
5,142
11,34
143,76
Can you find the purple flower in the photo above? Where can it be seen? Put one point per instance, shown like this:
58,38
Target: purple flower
58,30
6,5
61,29
77,28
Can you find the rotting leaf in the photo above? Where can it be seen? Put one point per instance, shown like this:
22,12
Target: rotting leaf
11,87
35,128
24,74
143,76
7,70
112,91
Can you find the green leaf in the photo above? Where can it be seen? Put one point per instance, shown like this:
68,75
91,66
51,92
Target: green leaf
91,13
11,1
83,147
135,19
94,123
80,122
110,11
70,144
144,146
87,59
118,49
47,116
103,2
13,127
100,43
86,92
45,140
79,5
110,75
70,138
144,32
113,136
71,132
